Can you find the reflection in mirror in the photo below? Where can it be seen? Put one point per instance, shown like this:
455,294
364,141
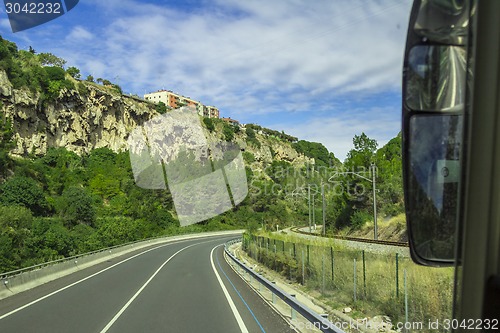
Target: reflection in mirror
443,21
433,179
435,78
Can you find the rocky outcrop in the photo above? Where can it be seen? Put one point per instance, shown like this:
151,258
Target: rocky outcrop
99,118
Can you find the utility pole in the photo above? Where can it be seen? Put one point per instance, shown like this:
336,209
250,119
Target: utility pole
309,203
375,233
314,214
324,212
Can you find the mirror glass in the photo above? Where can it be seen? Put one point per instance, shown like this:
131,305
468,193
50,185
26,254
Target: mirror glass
435,78
433,180
443,21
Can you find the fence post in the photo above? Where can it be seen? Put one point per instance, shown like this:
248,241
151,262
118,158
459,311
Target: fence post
397,275
323,273
274,266
303,269
364,275
307,255
294,252
333,266
406,297
354,280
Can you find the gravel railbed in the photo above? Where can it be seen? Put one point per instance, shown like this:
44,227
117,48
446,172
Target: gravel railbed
368,247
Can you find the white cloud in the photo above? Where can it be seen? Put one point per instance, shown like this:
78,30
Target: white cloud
79,34
322,46
336,132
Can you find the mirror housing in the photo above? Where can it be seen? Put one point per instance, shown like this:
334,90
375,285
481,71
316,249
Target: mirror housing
434,90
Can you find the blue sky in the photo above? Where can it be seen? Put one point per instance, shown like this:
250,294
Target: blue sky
321,70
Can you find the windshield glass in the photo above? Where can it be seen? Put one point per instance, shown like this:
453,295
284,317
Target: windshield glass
130,120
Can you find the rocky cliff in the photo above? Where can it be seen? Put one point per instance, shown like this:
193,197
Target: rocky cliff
97,116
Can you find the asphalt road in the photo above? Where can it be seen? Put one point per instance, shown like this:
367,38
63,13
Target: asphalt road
185,286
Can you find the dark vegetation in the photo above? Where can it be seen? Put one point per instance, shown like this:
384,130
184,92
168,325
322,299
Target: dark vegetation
41,73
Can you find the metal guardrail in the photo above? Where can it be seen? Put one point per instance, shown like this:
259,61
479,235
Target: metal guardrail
10,274
317,320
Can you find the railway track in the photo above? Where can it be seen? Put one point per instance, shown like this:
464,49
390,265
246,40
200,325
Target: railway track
354,239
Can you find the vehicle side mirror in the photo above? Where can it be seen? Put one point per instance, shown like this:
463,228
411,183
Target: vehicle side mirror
434,90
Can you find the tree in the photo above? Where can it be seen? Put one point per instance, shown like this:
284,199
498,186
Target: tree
209,124
15,217
15,222
24,191
47,59
363,153
76,207
364,144
250,133
90,78
161,107
314,150
117,88
55,73
32,50
228,132
73,72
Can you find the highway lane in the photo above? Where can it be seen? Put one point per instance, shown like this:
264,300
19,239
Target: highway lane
167,288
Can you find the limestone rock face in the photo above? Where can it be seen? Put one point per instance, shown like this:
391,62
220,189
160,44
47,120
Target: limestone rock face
78,122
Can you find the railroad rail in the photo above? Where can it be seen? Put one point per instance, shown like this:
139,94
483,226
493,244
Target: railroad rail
354,239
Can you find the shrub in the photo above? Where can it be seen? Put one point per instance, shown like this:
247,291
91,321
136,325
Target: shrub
24,191
76,207
228,132
55,73
209,124
359,218
82,89
161,108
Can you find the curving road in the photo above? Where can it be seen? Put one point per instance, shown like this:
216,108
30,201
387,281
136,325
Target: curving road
184,286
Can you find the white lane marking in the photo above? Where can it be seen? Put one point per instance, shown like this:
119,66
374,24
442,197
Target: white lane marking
115,318
82,280
236,314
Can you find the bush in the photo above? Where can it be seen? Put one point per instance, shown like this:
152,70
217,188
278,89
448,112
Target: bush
23,191
73,72
82,89
161,108
15,217
248,157
209,124
359,218
55,73
228,132
76,206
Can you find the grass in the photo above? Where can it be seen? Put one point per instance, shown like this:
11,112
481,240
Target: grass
380,285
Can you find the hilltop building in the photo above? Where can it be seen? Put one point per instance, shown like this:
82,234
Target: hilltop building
174,101
232,121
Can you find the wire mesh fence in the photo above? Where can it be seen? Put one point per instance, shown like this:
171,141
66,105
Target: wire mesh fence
371,283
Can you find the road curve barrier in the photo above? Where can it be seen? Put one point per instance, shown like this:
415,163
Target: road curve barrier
317,320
